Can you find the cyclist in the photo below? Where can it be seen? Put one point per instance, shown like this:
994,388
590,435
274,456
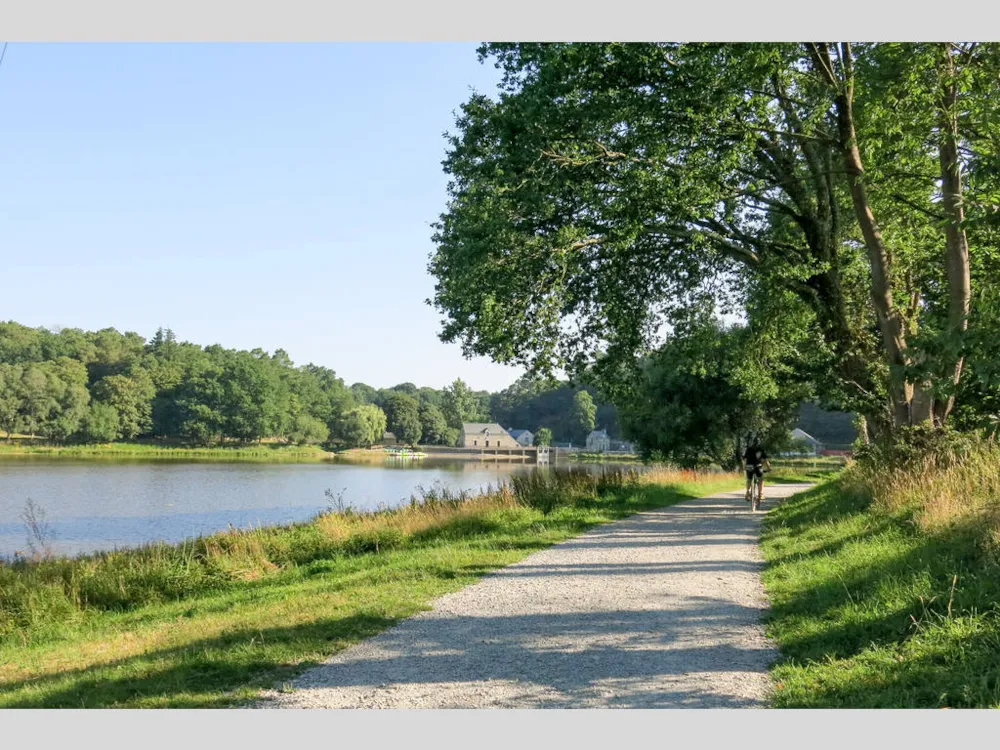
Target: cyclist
754,460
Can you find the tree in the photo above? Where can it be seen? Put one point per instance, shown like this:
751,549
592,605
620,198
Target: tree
66,387
364,426
403,416
306,429
616,184
582,416
433,425
709,391
248,404
451,436
461,404
543,436
101,424
132,398
10,397
364,394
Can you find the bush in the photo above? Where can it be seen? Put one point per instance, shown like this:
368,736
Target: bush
308,430
100,425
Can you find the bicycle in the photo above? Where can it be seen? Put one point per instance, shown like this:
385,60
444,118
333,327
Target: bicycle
756,488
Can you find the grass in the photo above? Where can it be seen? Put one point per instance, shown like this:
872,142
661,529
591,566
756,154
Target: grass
262,452
605,458
879,603
211,622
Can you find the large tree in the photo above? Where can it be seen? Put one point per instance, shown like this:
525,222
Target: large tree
711,390
402,414
461,404
612,186
583,415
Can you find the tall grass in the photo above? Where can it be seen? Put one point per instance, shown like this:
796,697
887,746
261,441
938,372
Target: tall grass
953,483
39,596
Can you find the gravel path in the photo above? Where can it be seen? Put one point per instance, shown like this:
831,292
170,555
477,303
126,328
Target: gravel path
658,610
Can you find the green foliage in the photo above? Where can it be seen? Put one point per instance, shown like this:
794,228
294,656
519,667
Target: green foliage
48,397
308,430
364,394
132,398
433,425
543,436
612,187
582,416
403,416
101,424
363,426
462,404
531,402
707,392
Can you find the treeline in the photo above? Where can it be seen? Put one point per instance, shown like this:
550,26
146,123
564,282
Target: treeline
101,386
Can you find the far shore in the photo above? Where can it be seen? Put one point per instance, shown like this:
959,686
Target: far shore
275,451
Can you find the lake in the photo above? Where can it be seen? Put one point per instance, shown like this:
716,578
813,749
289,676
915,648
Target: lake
101,504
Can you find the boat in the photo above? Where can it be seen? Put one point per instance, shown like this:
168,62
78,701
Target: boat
404,453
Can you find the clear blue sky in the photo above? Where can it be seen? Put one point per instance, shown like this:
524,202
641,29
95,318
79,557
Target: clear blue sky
274,195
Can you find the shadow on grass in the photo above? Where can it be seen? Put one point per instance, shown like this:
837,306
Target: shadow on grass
571,655
199,674
870,612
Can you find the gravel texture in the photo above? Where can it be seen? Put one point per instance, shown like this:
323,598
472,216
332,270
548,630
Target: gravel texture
660,610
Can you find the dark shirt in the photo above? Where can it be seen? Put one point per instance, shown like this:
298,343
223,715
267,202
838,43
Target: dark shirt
754,455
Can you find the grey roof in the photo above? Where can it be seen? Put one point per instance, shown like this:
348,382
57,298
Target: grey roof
477,428
802,434
598,433
517,433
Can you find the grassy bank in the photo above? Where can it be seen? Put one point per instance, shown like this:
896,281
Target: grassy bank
262,452
884,587
605,458
211,622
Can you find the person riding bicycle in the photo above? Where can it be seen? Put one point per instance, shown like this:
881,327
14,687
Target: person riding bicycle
754,460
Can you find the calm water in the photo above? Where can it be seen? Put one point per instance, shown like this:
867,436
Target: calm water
97,505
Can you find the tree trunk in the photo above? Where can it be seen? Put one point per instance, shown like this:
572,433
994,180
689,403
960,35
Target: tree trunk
956,242
889,321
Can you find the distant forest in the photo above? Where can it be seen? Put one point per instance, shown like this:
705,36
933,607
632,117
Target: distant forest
71,385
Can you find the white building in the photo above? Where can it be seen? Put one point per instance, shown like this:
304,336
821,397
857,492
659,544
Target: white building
598,441
523,437
804,444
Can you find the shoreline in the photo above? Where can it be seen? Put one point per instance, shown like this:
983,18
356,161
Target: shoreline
278,452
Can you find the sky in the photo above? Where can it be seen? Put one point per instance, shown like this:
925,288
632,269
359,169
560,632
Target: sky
250,195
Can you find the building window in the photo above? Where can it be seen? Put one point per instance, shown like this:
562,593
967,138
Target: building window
475,442
487,443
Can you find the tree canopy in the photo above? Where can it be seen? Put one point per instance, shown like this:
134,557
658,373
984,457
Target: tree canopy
609,189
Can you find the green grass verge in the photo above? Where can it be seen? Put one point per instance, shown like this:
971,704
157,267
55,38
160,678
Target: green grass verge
221,647
868,612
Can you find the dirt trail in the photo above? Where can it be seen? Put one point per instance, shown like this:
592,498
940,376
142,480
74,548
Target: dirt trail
655,611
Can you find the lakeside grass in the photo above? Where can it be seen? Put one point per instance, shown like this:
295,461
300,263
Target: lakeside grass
605,458
212,622
262,452
884,604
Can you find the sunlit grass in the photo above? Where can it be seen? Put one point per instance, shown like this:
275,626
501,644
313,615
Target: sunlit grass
212,621
879,604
